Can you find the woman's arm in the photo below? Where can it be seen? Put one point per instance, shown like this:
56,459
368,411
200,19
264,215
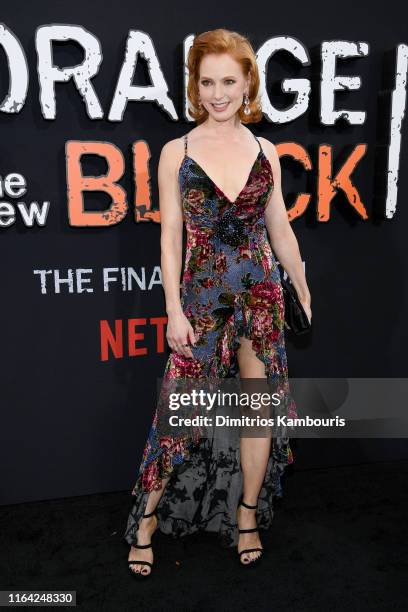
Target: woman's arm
283,240
171,219
179,329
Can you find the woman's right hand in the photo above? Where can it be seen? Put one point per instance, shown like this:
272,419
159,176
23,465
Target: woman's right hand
180,332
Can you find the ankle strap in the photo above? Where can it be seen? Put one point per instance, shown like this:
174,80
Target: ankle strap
242,503
150,514
248,530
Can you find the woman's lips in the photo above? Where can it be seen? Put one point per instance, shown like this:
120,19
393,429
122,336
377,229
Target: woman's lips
220,108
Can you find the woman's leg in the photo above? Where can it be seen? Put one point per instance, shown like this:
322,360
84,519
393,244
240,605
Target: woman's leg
144,534
254,457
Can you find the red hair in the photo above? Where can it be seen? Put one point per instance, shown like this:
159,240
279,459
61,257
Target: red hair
238,46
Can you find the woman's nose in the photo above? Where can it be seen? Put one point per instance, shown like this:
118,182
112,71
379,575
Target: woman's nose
219,92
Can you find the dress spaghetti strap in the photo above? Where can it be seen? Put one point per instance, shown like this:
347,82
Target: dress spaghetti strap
260,147
186,136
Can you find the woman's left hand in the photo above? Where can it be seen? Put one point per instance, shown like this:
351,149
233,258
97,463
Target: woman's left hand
307,309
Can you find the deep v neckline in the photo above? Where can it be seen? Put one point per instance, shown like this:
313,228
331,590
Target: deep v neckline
245,187
232,202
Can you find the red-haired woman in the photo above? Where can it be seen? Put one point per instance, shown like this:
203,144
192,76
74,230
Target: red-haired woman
225,183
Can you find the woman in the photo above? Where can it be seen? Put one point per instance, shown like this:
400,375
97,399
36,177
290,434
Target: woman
230,315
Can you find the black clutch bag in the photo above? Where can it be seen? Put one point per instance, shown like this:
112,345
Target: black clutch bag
295,316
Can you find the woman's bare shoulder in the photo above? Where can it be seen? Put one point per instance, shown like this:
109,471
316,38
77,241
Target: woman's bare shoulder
267,145
270,152
172,147
171,155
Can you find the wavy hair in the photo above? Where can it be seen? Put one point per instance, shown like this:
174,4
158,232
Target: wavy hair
238,46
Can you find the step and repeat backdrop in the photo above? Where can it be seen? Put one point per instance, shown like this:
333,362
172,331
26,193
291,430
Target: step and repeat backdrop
89,94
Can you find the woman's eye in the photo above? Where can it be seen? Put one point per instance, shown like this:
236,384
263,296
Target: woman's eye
206,81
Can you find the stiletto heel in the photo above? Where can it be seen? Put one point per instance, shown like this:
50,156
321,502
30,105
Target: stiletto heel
139,575
253,562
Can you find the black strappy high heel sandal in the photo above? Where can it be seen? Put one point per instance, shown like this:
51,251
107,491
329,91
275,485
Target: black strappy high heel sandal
253,562
139,575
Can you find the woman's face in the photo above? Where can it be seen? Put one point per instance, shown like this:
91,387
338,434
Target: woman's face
221,85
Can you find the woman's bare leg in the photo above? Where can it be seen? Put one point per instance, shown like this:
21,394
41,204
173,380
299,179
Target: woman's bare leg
146,529
254,458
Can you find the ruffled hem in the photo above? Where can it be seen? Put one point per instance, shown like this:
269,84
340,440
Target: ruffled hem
204,491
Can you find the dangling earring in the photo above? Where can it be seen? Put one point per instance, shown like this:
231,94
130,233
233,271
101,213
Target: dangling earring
247,110
200,106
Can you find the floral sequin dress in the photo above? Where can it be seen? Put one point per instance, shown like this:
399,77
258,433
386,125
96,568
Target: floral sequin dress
230,288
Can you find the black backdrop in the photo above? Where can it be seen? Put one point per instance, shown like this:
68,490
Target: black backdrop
73,423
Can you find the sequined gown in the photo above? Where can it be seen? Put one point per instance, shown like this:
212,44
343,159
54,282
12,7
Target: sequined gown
230,288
